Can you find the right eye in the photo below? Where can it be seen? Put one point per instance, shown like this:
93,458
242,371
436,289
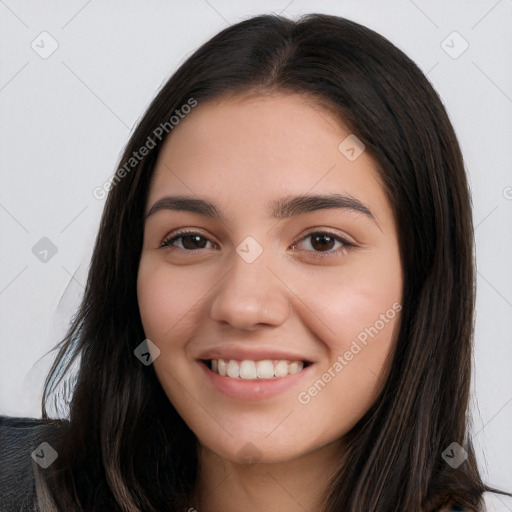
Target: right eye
187,241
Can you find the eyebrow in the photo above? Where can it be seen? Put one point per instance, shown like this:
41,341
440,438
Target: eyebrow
290,206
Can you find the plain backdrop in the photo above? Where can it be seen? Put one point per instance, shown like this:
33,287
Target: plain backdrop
75,76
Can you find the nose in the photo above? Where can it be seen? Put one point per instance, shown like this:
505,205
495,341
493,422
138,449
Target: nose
250,296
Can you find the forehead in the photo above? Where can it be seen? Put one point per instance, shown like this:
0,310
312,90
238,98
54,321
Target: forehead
254,129
254,146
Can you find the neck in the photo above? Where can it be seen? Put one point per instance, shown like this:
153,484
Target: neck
298,484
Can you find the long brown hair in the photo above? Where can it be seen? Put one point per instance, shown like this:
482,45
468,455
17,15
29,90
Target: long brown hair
126,448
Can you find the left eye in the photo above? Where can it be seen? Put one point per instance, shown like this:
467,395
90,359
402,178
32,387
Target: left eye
187,241
322,242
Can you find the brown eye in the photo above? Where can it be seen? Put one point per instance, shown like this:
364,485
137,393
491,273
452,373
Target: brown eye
322,241
187,241
192,242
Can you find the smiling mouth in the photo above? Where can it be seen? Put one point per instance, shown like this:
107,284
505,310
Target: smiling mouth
251,370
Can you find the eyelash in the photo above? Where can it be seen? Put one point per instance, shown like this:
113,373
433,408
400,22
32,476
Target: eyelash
345,244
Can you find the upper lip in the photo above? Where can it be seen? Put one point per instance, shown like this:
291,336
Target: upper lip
251,354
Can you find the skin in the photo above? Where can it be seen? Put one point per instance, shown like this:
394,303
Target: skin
241,153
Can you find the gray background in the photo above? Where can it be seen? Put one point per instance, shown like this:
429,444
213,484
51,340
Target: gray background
66,116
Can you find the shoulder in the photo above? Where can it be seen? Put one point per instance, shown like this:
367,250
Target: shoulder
23,443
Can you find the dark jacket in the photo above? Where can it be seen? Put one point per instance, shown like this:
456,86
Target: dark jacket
25,444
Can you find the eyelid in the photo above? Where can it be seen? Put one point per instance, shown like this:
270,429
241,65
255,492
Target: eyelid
179,233
343,239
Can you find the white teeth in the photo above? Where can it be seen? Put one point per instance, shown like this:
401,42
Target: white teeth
295,367
233,369
281,369
265,369
250,370
222,367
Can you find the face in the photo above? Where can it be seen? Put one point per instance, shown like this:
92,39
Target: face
270,277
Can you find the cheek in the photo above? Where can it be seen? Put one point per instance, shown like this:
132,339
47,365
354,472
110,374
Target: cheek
167,301
359,312
349,380
350,303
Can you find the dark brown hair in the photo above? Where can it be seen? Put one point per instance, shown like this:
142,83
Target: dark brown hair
126,448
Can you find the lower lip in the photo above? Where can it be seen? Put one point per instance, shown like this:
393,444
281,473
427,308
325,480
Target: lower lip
254,389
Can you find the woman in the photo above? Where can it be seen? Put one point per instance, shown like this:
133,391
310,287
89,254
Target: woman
279,308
